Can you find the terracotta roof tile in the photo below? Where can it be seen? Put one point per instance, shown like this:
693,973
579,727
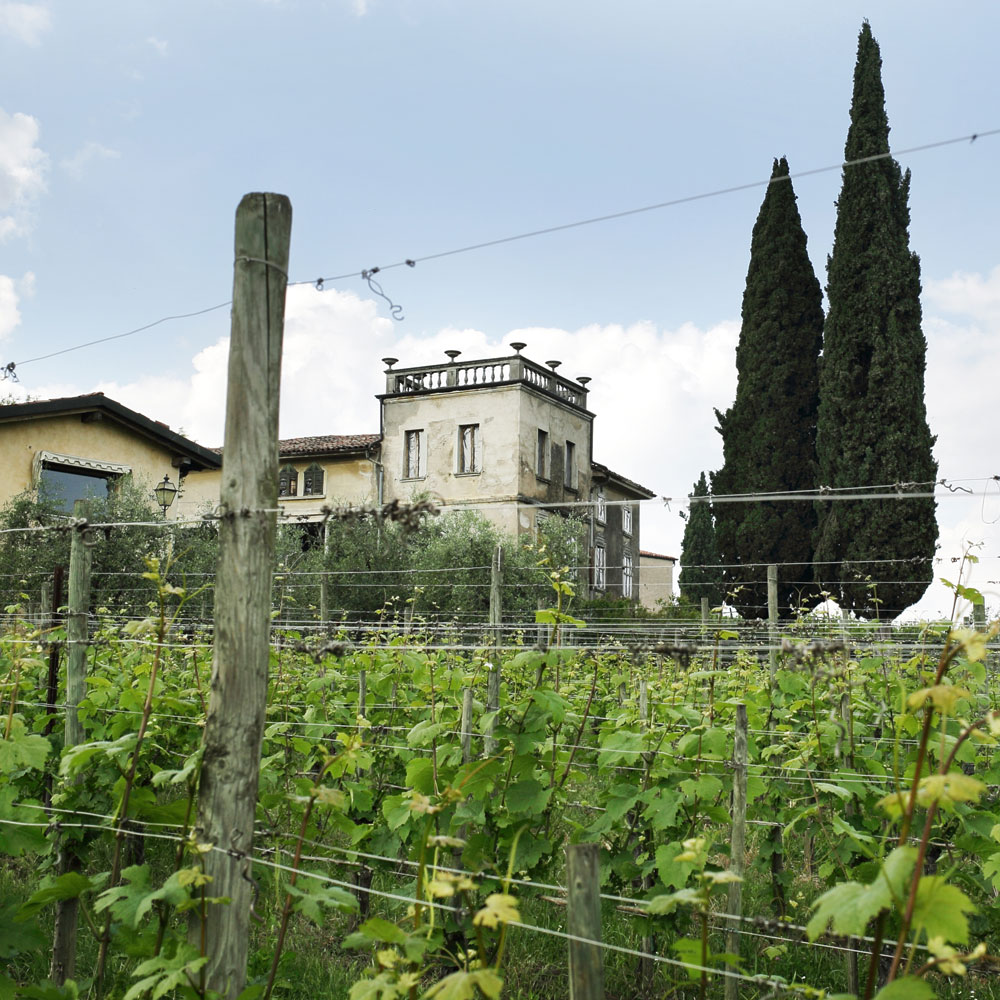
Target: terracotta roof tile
323,444
656,555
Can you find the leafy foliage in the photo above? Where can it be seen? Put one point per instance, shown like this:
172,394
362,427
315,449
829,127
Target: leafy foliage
700,576
872,423
769,433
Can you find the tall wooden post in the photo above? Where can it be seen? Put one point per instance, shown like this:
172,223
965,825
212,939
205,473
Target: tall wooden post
493,677
77,624
979,616
55,602
583,918
466,725
227,794
63,965
324,586
772,622
737,844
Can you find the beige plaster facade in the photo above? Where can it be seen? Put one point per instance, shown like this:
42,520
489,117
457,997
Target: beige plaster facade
657,579
491,433
94,436
504,435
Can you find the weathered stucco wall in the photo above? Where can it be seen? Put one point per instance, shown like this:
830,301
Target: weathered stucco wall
562,424
97,440
657,580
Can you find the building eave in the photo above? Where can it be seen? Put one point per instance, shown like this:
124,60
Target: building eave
197,456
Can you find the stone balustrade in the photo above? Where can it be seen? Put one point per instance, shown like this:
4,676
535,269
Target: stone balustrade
493,371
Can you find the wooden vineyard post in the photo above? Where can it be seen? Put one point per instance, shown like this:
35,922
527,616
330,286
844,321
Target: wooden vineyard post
227,792
77,623
466,725
851,960
63,965
737,844
493,677
772,623
706,611
324,587
979,616
583,918
55,602
646,965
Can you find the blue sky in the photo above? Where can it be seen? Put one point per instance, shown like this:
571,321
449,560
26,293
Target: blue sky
129,132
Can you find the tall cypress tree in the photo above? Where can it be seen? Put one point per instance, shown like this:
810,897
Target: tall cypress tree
769,433
872,425
700,576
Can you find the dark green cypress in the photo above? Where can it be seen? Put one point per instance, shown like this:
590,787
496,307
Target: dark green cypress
769,433
872,424
700,576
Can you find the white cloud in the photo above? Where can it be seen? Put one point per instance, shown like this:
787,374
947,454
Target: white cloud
24,21
159,44
22,171
88,153
969,295
653,392
12,290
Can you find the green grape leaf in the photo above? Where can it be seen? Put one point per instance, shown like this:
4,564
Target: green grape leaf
907,988
22,750
940,910
527,796
72,885
672,872
130,903
312,897
849,906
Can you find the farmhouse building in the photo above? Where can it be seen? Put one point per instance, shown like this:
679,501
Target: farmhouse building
505,436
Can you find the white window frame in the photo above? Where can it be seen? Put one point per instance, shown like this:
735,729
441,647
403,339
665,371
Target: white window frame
469,450
628,575
411,469
51,458
626,519
600,506
542,457
600,567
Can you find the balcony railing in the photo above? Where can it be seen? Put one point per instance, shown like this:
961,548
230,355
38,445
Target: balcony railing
494,371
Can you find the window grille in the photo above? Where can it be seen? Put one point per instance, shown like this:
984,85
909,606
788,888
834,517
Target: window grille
312,481
468,448
288,482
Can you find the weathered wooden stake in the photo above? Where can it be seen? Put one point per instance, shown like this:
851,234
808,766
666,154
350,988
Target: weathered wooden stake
583,918
979,617
737,843
227,794
324,587
647,968
493,677
772,623
363,692
55,602
851,957
466,725
63,965
77,623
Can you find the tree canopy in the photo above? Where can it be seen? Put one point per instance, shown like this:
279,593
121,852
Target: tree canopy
700,574
769,433
872,431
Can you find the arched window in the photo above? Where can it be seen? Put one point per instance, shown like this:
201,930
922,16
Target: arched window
312,481
288,482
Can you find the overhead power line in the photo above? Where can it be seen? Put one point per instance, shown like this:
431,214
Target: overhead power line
8,371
